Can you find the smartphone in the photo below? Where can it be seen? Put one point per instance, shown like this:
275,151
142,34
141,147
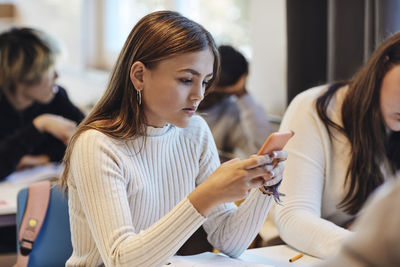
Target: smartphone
276,141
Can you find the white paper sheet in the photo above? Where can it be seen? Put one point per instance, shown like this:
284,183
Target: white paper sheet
209,259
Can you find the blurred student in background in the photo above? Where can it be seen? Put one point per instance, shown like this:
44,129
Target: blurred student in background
347,144
239,125
36,117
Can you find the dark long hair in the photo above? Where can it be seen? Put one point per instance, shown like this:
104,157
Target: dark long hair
233,65
157,36
364,126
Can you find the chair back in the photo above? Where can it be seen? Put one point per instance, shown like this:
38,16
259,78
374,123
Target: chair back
52,246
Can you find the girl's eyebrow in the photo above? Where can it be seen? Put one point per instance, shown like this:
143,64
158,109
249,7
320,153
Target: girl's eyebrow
194,72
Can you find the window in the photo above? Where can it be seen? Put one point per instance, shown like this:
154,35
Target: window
227,20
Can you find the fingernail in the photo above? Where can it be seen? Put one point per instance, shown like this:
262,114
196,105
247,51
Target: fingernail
274,154
263,159
272,173
268,183
268,167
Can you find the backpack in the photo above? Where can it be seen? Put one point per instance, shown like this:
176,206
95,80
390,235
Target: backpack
44,237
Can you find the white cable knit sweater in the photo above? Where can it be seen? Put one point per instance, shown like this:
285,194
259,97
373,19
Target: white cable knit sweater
127,199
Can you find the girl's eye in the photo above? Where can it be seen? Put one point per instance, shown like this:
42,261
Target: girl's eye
185,81
205,83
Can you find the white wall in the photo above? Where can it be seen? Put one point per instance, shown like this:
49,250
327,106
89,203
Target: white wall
62,19
267,80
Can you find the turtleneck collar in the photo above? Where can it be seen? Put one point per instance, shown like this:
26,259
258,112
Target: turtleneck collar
154,131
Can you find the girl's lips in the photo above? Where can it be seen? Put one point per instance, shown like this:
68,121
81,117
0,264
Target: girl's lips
189,111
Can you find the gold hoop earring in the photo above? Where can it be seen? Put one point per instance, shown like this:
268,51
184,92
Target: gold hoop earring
139,97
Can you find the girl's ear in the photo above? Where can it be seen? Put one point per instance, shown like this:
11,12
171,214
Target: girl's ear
136,75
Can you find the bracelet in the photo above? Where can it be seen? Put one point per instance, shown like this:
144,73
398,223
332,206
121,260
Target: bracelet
272,191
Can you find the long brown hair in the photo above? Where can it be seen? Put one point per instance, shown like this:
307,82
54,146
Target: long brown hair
157,36
364,126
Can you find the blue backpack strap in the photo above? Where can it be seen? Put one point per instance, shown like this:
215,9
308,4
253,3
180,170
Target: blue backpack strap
34,216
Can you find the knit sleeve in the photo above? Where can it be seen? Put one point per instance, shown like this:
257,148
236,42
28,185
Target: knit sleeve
97,168
231,229
299,218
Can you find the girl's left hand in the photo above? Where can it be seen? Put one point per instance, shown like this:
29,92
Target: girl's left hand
276,167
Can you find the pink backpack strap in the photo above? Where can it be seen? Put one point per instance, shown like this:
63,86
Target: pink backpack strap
35,213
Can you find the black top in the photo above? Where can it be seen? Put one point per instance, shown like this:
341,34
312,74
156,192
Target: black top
18,136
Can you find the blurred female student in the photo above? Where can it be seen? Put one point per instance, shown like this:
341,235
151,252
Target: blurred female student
347,144
143,172
36,117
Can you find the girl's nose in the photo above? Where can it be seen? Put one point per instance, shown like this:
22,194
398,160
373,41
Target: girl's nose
197,93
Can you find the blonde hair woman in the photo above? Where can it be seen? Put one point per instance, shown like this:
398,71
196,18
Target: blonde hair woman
36,117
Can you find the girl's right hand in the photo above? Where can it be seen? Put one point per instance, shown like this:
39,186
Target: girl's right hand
58,126
230,182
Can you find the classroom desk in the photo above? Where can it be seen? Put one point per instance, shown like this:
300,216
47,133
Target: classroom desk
277,256
8,202
16,181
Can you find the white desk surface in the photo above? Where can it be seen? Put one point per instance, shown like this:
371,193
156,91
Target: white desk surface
277,256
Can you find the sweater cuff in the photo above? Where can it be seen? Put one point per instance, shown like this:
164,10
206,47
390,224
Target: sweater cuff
264,201
187,205
258,194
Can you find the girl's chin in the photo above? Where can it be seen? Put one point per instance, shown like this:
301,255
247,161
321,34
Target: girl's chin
182,123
